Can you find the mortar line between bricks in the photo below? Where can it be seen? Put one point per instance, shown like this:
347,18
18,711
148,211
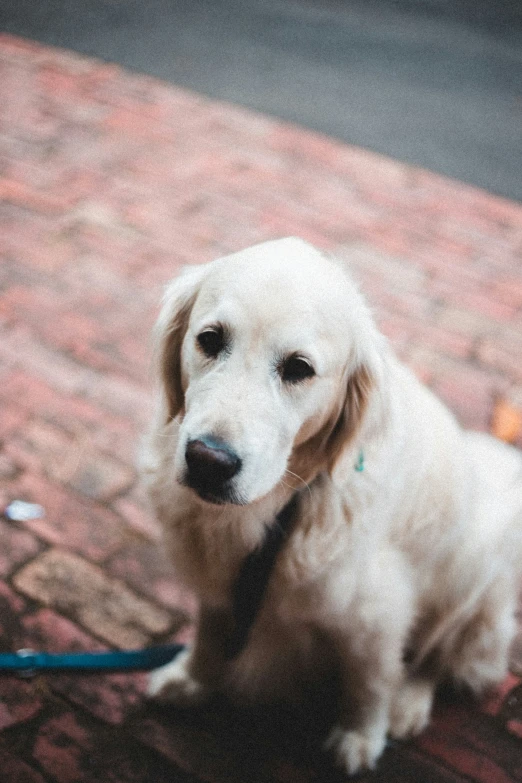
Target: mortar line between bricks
106,562
71,619
43,546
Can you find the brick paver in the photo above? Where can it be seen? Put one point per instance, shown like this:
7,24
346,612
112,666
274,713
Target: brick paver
109,182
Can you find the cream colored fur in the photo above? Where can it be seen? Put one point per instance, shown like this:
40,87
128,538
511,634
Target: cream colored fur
419,554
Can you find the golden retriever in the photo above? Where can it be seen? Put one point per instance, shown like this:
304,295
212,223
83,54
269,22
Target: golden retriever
403,564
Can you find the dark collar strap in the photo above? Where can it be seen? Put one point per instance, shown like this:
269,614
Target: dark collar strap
248,593
250,586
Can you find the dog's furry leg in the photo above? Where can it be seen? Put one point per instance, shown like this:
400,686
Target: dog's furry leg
411,707
479,659
370,647
368,682
195,673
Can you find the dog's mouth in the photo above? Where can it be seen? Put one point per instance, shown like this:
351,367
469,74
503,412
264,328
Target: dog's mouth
219,494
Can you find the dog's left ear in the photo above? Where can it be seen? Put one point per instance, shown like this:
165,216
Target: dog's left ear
322,451
169,333
360,386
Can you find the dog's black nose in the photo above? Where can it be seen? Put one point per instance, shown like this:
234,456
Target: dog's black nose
210,462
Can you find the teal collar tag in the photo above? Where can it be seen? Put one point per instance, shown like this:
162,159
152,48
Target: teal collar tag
359,465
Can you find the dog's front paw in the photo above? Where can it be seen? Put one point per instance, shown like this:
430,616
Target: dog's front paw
174,683
411,708
356,750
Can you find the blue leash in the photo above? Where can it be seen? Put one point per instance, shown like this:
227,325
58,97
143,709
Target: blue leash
27,662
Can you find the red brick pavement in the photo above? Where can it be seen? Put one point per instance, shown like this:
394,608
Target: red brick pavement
109,182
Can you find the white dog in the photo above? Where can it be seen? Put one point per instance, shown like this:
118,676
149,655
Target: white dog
403,563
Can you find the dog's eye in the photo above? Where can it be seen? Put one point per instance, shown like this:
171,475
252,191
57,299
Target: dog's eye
211,341
295,369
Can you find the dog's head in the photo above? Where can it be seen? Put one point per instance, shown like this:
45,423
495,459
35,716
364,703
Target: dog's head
268,359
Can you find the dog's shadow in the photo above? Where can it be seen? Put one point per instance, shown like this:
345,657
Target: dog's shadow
225,742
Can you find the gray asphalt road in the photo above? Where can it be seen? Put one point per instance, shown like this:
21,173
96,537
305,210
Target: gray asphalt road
433,82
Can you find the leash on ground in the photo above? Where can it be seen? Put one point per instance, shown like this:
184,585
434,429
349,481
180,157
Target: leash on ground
27,662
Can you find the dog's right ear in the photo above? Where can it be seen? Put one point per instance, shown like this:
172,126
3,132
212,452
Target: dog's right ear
169,333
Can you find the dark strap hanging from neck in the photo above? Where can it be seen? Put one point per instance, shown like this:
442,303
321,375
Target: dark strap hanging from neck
250,586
